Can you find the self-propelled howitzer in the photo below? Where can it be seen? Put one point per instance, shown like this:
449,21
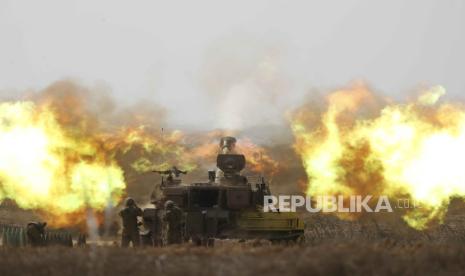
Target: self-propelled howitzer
228,205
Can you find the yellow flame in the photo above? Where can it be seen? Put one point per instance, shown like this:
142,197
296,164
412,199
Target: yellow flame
190,156
415,150
59,158
43,167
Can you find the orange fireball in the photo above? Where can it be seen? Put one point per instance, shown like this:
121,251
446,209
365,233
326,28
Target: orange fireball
413,150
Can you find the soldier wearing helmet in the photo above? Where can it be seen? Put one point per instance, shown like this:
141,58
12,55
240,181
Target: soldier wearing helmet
169,204
173,219
130,224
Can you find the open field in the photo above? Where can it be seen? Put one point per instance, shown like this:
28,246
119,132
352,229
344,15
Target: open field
367,246
332,247
323,259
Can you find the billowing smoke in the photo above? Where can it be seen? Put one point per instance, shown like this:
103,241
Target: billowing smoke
361,144
246,83
70,148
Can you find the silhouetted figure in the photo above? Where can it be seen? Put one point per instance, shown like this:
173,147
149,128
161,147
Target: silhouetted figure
173,217
130,224
35,233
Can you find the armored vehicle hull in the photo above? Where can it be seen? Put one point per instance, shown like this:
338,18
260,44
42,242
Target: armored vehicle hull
228,205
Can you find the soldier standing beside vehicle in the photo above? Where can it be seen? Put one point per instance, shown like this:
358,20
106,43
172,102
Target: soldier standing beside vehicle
157,225
35,232
173,218
130,224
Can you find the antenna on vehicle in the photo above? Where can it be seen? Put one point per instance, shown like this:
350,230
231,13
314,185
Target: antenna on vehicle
162,177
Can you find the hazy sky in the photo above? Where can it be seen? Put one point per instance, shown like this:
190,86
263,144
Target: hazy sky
232,63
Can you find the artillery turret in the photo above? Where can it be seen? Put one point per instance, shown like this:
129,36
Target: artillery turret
229,204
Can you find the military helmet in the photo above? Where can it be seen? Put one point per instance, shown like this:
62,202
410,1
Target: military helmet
169,204
130,202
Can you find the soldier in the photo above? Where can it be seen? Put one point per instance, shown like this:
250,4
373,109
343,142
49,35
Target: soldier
35,232
157,225
173,218
130,224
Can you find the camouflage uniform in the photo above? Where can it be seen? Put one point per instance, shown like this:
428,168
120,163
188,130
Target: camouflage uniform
173,217
36,233
130,224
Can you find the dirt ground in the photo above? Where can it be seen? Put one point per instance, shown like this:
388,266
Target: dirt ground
332,247
367,246
323,259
